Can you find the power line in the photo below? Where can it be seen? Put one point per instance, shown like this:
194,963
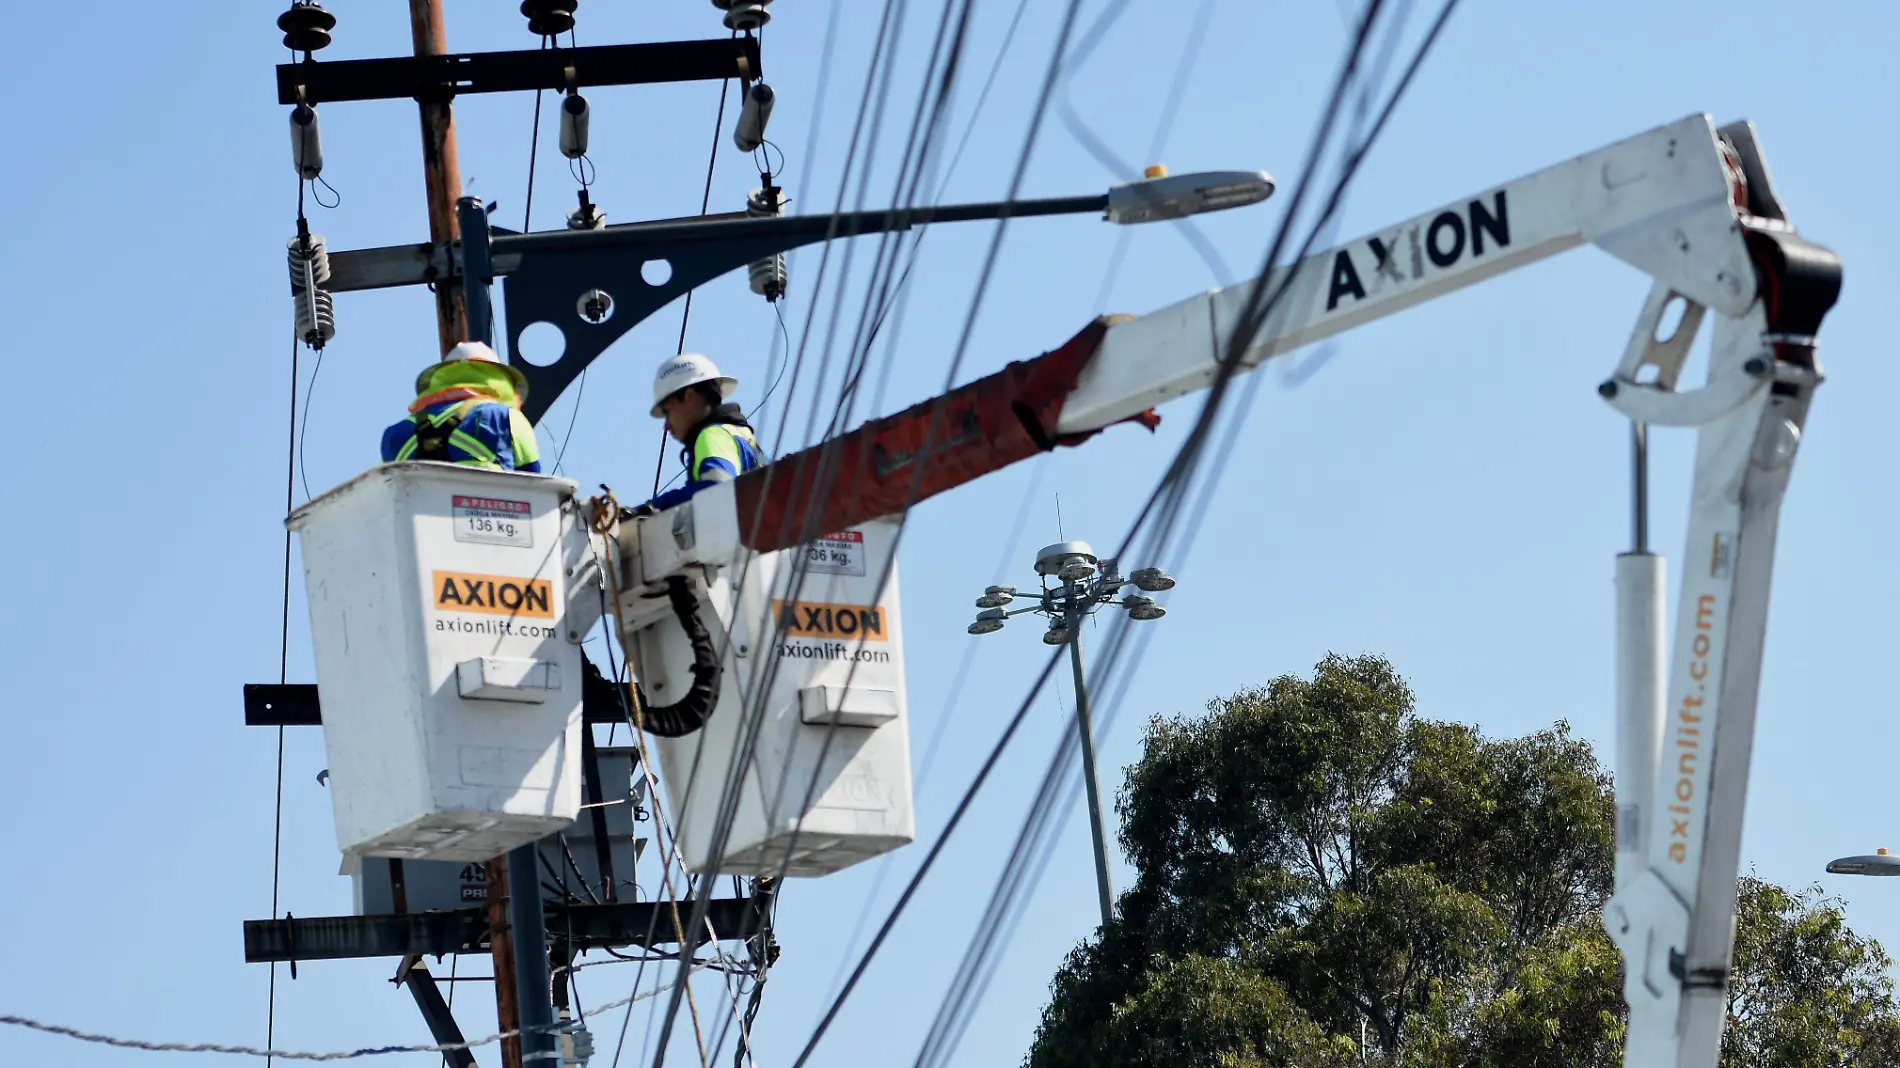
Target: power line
1164,125
919,154
283,675
944,718
930,859
1016,182
730,789
705,202
291,1055
952,1017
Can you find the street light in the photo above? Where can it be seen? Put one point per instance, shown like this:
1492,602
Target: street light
1880,863
1160,196
1085,583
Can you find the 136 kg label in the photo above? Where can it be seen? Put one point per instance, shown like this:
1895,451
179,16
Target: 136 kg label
492,521
837,553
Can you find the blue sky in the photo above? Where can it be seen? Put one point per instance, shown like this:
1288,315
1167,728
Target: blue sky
1447,490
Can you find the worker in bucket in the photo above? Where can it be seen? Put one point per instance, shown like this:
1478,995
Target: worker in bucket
467,411
719,445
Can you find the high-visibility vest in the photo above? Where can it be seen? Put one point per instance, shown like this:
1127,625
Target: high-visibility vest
723,451
478,432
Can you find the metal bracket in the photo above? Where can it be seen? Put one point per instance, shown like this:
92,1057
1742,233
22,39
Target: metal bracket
296,704
1658,403
435,1013
550,274
555,272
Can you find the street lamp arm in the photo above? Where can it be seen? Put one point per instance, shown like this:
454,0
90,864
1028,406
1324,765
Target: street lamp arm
785,232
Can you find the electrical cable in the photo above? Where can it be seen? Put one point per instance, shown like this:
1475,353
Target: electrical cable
976,112
918,153
762,158
944,717
669,838
1236,347
979,297
573,416
1016,182
1217,266
930,859
1263,302
1035,125
686,313
1070,22
283,676
303,432
534,155
885,47
705,199
1157,143
292,463
120,1042
775,353
336,198
954,1016
871,80
881,47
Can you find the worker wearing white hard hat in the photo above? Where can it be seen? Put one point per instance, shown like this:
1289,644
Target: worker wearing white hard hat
467,411
691,395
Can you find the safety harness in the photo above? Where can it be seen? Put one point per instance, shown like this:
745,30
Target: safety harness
435,433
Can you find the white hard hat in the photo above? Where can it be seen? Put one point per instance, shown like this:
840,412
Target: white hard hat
688,369
478,352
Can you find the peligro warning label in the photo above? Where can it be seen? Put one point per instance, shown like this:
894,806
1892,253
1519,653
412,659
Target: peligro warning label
492,521
838,553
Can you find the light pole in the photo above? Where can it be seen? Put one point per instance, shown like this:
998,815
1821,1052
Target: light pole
1084,584
1880,863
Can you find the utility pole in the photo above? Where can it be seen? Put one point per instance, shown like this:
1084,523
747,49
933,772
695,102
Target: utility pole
442,178
460,262
526,944
1084,726
442,171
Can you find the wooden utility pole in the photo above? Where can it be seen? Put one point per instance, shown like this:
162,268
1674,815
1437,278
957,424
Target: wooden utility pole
442,170
507,1011
442,173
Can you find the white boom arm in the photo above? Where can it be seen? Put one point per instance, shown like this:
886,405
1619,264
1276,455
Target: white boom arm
1675,202
1659,200
1691,206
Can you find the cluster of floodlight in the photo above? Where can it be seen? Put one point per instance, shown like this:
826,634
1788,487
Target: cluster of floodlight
1086,582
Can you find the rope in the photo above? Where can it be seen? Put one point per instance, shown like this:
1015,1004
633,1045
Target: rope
606,512
298,1055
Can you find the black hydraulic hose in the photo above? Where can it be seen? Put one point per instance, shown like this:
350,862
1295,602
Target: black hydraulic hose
690,712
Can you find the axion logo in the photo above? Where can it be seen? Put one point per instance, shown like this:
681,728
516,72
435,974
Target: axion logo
811,619
1400,257
501,595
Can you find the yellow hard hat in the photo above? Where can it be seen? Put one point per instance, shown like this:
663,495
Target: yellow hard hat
477,352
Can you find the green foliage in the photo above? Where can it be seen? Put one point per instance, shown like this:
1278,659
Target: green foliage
1804,990
1314,861
1202,1011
